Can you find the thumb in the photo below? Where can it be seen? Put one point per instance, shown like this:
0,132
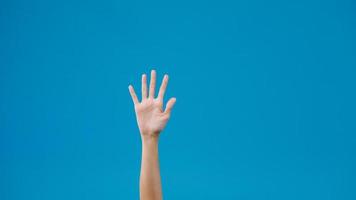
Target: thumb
170,105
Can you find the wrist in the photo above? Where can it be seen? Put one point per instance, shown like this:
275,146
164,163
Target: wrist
149,141
150,136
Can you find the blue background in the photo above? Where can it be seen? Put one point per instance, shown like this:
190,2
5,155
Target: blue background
265,98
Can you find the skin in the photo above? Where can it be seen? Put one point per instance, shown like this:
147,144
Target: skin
151,120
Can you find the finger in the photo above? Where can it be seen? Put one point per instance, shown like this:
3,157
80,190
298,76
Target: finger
152,84
170,105
163,87
144,86
133,94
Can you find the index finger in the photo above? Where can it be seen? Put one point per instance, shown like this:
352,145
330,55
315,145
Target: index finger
163,87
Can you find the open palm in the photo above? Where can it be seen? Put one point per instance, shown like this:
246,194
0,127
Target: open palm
151,117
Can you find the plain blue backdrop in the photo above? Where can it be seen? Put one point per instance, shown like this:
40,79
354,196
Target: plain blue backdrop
265,98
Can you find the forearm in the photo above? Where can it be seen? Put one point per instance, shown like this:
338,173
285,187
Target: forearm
150,180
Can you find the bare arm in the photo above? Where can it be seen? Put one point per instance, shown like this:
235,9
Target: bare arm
151,119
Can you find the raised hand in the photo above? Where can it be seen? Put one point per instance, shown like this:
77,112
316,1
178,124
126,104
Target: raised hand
150,116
